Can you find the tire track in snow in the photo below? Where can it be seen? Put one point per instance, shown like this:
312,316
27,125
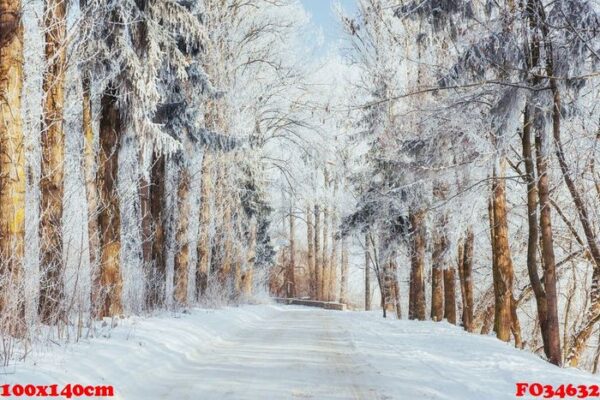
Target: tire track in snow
344,363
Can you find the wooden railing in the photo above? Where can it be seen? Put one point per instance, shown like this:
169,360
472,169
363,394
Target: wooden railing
327,305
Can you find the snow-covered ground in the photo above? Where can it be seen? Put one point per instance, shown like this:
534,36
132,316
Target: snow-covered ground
289,352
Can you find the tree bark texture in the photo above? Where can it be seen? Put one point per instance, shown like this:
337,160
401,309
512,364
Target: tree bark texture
50,306
109,216
503,268
416,301
203,260
12,168
182,256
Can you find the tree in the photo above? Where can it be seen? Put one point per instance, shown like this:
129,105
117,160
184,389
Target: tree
437,277
156,273
12,167
416,302
465,271
133,39
317,250
52,184
182,237
310,256
367,274
202,271
291,271
344,273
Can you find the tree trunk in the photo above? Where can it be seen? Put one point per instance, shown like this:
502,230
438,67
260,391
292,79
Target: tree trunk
182,257
203,263
109,217
91,192
318,266
344,272
437,294
291,270
221,261
546,298
515,326
389,295
237,256
550,327
325,256
532,219
310,258
378,268
146,231
156,273
416,308
367,274
51,307
12,168
397,291
466,268
333,259
248,273
450,295
503,269
437,276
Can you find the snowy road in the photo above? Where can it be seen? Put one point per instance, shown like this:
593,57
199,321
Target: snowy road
299,353
287,352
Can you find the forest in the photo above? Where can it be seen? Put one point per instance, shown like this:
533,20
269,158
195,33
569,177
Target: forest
167,154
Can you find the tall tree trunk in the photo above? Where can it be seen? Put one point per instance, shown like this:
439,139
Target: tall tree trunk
416,301
156,273
51,307
450,295
367,273
333,259
109,217
91,193
182,257
318,266
147,228
310,258
248,273
396,290
551,331
227,247
12,168
532,219
389,296
325,256
203,263
545,295
291,269
437,277
237,255
439,256
344,272
465,263
221,260
503,269
378,268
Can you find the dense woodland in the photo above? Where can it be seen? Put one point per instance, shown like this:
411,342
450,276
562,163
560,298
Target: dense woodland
159,154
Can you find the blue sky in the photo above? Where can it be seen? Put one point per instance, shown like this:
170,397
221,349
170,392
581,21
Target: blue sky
323,17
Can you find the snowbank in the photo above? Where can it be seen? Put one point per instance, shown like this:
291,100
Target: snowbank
281,352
